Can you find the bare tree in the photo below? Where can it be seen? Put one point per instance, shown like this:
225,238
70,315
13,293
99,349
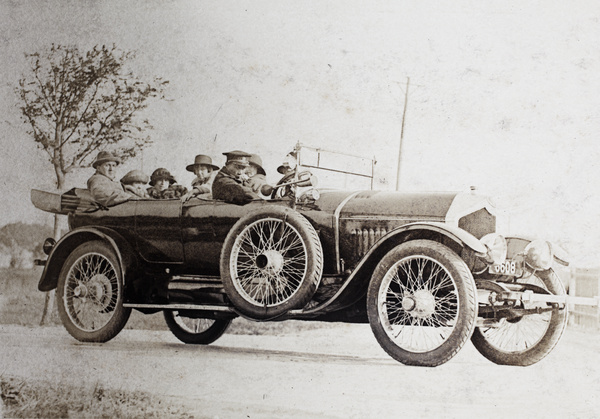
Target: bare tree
77,103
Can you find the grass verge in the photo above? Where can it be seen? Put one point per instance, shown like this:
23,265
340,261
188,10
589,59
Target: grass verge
38,399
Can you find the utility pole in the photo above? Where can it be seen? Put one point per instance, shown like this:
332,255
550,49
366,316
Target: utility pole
402,134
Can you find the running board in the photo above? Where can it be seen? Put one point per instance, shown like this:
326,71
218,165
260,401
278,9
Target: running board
176,306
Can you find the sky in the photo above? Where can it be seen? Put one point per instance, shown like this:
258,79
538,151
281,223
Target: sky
502,95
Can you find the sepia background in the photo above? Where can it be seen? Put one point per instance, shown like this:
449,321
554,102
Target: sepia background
502,96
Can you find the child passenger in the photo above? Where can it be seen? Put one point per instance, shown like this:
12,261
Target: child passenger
164,186
135,182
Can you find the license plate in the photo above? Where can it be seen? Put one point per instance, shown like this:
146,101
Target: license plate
508,267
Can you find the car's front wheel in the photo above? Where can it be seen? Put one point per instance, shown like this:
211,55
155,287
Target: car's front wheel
421,303
90,293
525,340
195,331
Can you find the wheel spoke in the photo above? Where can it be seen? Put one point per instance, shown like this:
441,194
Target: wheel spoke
274,281
95,279
431,310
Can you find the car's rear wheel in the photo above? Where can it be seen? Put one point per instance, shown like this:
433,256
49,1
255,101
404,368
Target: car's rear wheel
271,262
90,293
525,340
421,303
195,331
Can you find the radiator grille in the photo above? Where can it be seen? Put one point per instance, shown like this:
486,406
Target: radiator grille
364,239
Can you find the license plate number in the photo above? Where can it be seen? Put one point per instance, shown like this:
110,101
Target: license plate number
508,267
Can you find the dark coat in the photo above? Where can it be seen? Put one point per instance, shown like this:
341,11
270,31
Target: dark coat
106,191
230,189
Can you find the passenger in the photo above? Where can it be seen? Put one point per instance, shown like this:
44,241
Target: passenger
135,182
102,185
228,184
289,163
257,177
164,186
203,168
286,169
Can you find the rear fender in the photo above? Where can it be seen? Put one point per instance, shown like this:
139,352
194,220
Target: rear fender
61,251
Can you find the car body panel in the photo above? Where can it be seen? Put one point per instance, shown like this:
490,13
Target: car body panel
186,238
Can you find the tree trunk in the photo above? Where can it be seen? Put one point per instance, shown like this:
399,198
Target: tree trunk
50,295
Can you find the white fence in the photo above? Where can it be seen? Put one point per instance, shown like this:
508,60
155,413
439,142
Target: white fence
584,283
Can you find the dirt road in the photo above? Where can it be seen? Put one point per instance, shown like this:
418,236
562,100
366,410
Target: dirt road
326,373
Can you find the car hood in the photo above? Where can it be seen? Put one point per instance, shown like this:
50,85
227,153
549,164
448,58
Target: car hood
439,206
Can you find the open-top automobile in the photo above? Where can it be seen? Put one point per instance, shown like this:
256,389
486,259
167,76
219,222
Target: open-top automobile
428,271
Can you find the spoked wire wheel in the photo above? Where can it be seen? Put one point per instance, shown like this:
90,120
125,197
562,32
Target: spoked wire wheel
525,340
193,330
91,293
271,262
421,303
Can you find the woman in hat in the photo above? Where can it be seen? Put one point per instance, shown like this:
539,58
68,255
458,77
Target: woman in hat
102,185
164,186
135,182
257,177
203,168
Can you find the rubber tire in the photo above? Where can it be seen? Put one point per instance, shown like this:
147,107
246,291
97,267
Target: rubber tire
120,314
309,283
208,336
465,287
536,353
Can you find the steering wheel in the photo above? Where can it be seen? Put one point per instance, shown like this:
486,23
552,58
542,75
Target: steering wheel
283,191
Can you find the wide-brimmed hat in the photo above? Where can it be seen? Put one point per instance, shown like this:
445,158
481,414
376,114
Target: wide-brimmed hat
134,176
285,167
105,156
199,160
161,174
255,160
237,156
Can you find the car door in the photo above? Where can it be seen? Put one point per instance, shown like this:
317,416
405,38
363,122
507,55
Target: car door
200,246
158,230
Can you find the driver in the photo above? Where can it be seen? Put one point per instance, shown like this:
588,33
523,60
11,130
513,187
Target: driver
102,185
228,184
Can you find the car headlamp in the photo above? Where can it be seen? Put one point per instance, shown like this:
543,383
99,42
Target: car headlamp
48,245
538,255
497,247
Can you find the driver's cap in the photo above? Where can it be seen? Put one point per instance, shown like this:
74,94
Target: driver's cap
239,157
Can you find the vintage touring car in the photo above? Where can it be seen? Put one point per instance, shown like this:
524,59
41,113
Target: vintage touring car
428,271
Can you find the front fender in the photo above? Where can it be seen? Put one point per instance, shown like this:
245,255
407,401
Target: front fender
63,248
460,236
355,286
